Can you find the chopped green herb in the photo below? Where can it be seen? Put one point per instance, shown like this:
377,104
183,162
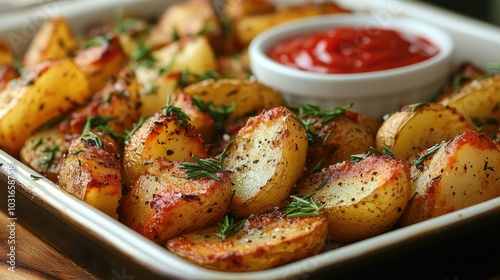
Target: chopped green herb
229,227
204,30
87,133
172,110
143,55
77,152
49,160
312,136
429,152
38,143
303,207
175,34
96,41
205,168
218,114
136,127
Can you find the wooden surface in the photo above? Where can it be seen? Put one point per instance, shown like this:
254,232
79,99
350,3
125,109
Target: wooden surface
34,258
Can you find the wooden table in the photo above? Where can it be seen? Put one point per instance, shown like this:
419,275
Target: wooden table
34,258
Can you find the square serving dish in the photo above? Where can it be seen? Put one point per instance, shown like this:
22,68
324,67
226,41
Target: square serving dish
109,249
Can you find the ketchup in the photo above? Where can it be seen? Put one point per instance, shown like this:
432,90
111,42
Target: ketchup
352,50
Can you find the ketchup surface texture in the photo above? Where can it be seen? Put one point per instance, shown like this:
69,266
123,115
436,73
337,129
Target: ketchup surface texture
352,50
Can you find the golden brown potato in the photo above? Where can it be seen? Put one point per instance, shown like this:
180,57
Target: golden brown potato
265,160
194,17
265,241
337,140
47,91
419,126
43,152
361,199
54,40
234,66
6,56
90,171
164,203
119,101
248,27
463,75
452,176
249,97
7,72
161,135
100,59
480,101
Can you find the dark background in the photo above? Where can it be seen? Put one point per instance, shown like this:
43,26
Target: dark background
485,10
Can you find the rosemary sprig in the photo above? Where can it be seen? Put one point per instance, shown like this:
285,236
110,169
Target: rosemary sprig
49,160
87,133
136,127
387,151
312,136
429,152
205,168
172,110
218,114
229,227
303,207
310,110
143,54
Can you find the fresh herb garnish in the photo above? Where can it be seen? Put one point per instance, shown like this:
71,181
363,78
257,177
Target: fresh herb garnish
229,227
205,168
218,114
419,161
93,137
172,110
310,110
312,136
49,160
175,34
303,207
143,55
95,41
136,127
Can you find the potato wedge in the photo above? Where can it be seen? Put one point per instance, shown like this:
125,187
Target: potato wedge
267,240
54,40
361,199
160,136
90,171
458,174
419,126
50,90
249,97
101,59
164,203
44,150
119,102
155,89
265,160
248,27
338,139
6,55
480,101
7,72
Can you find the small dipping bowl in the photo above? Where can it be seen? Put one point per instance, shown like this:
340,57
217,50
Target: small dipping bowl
374,93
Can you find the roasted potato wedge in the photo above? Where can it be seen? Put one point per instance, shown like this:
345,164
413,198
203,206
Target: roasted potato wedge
265,241
7,72
265,160
248,97
48,90
6,55
161,135
44,150
118,105
235,65
480,101
180,20
91,171
247,27
101,59
164,203
54,40
453,175
419,126
361,199
338,139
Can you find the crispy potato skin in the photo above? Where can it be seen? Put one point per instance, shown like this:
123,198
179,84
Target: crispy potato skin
119,99
415,128
461,173
339,138
164,203
53,41
361,199
101,62
249,97
92,173
479,100
265,160
160,136
257,246
47,91
44,151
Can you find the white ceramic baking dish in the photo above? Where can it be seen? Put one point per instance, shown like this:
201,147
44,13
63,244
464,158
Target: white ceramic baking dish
109,249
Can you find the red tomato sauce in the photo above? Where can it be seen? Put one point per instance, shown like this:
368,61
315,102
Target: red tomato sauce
352,50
